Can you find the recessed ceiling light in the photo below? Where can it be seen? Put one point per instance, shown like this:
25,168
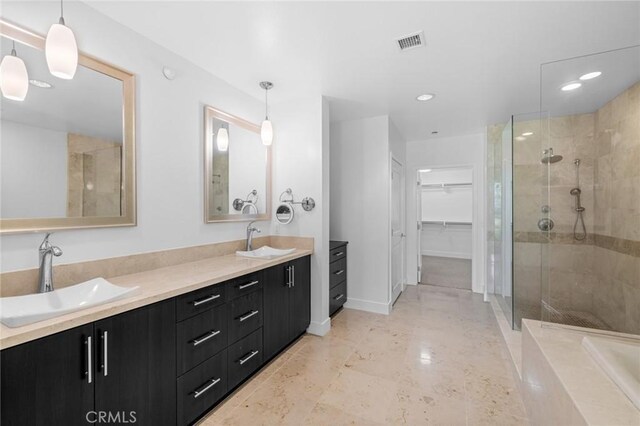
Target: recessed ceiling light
570,86
41,84
527,133
590,75
425,170
426,97
520,138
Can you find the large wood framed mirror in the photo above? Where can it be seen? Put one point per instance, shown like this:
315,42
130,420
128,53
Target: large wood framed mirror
67,154
237,169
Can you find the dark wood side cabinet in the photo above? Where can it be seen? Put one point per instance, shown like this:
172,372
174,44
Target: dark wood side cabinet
119,365
337,275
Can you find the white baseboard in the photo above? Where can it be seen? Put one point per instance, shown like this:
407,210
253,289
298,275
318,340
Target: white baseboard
446,254
368,305
319,328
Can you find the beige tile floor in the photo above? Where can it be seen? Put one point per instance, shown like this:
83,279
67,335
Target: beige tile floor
437,359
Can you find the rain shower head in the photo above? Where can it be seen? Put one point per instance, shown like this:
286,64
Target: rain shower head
550,157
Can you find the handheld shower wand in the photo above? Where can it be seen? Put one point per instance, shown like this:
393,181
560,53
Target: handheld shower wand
578,236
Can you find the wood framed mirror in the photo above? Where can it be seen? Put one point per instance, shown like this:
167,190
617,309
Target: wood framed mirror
237,169
67,159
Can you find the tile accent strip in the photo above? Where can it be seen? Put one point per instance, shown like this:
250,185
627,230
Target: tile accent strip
619,245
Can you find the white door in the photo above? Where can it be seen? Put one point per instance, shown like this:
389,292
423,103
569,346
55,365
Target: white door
397,229
419,226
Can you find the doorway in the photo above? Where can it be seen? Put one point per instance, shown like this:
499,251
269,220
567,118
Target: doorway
445,223
397,229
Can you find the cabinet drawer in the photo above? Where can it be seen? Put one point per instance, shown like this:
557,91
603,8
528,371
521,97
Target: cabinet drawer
201,387
245,315
244,285
198,301
244,357
201,337
338,253
338,272
337,297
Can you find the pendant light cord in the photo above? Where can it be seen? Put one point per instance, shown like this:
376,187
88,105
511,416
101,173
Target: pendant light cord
266,104
62,12
13,50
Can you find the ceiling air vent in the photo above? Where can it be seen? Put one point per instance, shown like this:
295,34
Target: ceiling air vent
411,41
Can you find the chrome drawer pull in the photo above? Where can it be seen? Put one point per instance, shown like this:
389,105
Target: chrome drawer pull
243,286
247,316
214,382
89,360
340,253
205,300
206,337
340,272
251,355
105,353
338,297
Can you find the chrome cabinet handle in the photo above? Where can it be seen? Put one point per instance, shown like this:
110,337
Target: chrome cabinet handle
340,272
293,281
205,337
340,253
289,276
89,360
212,383
247,316
105,353
248,357
338,297
205,300
243,286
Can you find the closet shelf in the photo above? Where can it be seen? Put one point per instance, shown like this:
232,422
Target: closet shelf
445,222
447,185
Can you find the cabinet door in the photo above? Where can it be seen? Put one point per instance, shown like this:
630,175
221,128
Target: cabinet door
276,326
136,365
300,296
46,382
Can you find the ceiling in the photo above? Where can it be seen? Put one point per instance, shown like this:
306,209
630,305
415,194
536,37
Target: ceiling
482,59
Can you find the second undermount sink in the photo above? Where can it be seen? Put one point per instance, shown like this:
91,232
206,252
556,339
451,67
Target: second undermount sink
22,310
265,252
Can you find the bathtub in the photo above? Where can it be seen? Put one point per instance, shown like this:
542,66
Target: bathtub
620,360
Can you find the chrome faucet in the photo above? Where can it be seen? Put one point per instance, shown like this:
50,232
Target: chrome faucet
250,230
46,253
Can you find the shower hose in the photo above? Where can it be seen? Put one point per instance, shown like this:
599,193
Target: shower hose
579,236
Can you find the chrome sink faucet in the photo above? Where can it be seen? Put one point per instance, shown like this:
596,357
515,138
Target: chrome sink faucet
250,230
46,253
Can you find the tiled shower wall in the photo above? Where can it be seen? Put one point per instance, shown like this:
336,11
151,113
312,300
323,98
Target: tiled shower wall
597,279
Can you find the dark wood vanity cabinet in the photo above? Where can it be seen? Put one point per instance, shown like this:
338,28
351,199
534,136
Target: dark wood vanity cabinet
337,275
123,365
287,304
163,364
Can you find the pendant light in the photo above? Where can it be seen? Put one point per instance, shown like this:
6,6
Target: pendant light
61,49
14,79
222,139
266,130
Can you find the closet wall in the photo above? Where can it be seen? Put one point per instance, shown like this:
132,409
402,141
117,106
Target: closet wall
446,212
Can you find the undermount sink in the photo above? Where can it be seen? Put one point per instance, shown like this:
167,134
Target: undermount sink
265,252
22,310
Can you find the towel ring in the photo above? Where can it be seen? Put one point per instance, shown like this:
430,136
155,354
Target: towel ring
252,198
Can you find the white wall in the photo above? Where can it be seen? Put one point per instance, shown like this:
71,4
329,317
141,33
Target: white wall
169,127
453,241
466,150
33,171
301,160
360,181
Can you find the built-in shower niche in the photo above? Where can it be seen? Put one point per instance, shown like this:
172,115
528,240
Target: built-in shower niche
590,261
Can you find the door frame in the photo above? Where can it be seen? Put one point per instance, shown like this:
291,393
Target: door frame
475,257
403,230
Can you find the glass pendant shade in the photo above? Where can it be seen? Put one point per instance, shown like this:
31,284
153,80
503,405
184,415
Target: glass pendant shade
14,79
222,140
266,132
61,51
